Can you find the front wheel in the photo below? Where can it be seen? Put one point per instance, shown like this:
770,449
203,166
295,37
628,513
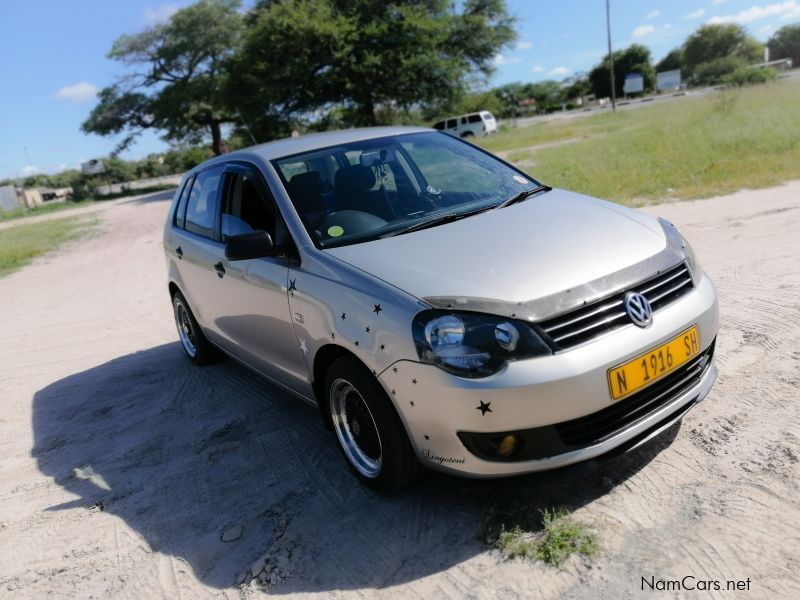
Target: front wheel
370,434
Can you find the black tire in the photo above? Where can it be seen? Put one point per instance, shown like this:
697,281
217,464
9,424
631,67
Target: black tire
397,464
192,336
467,135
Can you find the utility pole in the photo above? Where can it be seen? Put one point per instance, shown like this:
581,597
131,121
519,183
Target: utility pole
611,56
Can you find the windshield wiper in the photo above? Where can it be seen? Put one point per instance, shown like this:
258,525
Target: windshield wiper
522,196
440,220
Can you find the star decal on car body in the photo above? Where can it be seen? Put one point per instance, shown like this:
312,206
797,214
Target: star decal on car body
292,286
303,347
367,330
484,407
427,437
377,309
344,316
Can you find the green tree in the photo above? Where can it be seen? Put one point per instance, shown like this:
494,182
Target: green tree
713,42
365,60
177,79
673,60
785,43
577,86
635,58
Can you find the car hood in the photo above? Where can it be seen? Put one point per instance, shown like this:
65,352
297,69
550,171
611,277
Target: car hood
546,244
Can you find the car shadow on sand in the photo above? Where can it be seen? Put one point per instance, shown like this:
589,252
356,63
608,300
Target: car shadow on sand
190,457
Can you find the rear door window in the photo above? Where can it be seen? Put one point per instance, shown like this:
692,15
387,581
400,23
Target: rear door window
452,123
201,207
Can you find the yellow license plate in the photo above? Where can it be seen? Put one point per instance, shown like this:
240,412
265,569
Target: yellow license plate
653,364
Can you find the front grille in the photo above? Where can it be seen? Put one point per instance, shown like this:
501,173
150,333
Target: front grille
599,317
576,434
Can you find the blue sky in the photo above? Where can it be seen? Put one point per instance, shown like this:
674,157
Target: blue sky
53,58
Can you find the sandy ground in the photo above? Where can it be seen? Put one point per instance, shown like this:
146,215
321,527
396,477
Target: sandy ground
127,473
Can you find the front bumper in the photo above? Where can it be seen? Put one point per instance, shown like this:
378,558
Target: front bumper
439,409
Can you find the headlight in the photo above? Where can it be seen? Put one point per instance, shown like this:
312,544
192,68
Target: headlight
681,244
473,344
691,260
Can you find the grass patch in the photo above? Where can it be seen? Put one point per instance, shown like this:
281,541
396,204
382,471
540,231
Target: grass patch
687,148
18,213
551,536
19,245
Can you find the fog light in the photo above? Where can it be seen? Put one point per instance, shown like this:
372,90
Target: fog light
507,446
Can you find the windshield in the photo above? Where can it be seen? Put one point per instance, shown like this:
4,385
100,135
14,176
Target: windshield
364,190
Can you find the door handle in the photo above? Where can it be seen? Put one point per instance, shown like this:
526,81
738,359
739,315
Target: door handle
220,269
179,252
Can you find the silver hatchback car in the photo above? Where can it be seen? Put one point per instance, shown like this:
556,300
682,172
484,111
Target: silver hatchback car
442,308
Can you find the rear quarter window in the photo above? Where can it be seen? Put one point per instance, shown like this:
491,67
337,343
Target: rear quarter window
180,207
474,118
201,207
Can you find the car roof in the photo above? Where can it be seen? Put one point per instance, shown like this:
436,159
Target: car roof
308,143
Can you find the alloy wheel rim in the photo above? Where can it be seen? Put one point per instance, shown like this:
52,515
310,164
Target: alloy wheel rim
185,329
356,429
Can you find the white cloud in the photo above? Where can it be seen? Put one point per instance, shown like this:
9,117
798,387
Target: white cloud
652,14
29,170
524,45
718,2
695,14
788,10
537,69
643,31
559,71
501,59
792,14
79,92
159,14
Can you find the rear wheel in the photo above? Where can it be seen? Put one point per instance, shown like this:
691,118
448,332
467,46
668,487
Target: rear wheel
194,342
370,434
467,135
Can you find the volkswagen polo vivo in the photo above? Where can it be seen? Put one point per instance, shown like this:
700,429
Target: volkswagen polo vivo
441,307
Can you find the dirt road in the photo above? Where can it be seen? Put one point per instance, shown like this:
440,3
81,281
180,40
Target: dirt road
127,473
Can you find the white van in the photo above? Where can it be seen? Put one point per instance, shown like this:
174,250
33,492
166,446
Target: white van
471,125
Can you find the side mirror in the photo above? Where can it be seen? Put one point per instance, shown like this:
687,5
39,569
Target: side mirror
256,244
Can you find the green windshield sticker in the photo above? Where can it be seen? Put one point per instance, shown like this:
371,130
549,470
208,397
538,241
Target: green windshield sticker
335,231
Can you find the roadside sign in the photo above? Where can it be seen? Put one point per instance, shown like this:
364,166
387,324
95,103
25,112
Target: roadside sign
668,80
634,83
93,167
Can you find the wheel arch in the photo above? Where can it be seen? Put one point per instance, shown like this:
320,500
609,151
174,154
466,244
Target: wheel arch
323,359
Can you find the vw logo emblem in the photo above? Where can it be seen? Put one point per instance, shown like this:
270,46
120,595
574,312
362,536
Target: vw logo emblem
638,309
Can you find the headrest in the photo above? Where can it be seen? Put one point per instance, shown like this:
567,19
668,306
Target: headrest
306,183
305,190
354,178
